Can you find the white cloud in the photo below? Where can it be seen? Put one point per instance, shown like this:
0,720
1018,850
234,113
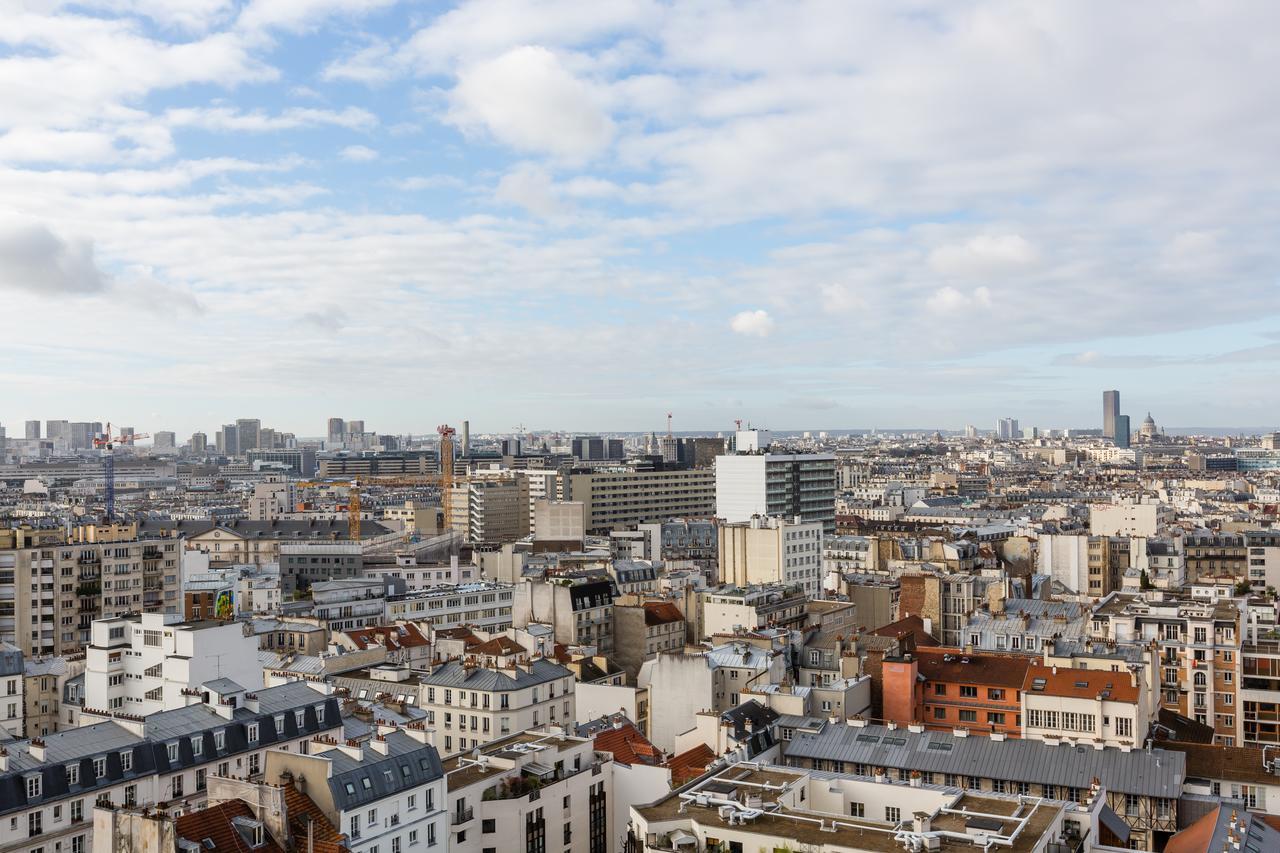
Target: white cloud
358,153
529,187
301,15
527,99
230,119
34,258
984,255
755,324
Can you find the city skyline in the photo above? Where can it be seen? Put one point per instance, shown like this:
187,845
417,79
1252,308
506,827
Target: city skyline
838,214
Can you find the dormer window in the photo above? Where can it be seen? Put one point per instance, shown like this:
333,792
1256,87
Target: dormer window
73,774
219,740
251,731
197,745
99,767
172,749
126,761
300,717
320,713
33,787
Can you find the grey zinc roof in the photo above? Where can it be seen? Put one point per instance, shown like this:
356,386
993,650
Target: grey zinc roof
1158,773
224,686
454,674
408,764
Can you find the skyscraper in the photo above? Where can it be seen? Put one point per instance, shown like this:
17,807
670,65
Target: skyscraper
229,440
33,429
247,430
1121,436
199,442
337,429
1110,411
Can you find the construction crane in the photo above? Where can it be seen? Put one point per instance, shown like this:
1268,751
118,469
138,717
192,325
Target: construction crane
353,512
446,473
107,444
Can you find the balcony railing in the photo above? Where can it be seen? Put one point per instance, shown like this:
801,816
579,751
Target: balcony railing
461,816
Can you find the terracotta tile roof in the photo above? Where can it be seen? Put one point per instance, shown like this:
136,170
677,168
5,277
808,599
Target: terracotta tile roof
459,633
389,636
302,810
661,613
1080,683
943,664
498,646
214,823
907,625
628,746
690,764
1196,837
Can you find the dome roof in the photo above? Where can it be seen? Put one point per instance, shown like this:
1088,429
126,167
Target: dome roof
1149,420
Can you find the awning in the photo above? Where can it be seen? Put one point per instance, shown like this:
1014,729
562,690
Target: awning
1115,824
679,838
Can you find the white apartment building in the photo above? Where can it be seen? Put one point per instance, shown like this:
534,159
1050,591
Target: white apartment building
484,606
684,683
1088,706
387,794
777,484
13,703
619,497
1128,519
141,664
469,703
534,791
766,550
164,759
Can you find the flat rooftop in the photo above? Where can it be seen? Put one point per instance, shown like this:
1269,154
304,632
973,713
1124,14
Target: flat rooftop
823,829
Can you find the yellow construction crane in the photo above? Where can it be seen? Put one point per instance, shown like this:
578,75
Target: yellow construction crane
353,512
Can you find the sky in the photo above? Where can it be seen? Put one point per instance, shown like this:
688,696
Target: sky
586,215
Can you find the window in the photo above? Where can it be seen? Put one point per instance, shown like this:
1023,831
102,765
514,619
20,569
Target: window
488,825
251,731
967,716
177,785
395,844
372,817
857,809
33,787
172,749
968,691
939,713
431,835
99,767
413,837
892,814
197,745
994,693
413,800
355,826
35,823
201,779
219,740
995,718
940,690
77,811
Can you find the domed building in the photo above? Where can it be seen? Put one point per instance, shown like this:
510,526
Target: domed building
1148,430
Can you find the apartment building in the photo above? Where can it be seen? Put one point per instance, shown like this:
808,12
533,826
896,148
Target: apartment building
484,606
1084,706
1212,554
386,793
469,702
304,563
729,610
643,630
533,791
766,550
1199,643
1129,519
621,497
259,542
497,512
51,784
580,610
791,485
13,678
44,680
145,663
952,688
1142,787
52,586
346,603
946,598
684,683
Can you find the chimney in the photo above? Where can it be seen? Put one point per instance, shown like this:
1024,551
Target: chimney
378,744
920,822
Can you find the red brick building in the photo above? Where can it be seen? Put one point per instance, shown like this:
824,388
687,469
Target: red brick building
945,688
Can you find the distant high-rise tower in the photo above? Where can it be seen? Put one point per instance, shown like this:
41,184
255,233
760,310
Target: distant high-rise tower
247,434
33,429
337,429
1110,411
466,437
1121,437
199,442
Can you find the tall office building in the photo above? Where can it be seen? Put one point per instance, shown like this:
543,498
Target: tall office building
792,485
247,433
1007,429
165,440
1121,436
334,435
229,440
355,428
1110,411
588,448
199,442
466,437
82,434
57,430
33,429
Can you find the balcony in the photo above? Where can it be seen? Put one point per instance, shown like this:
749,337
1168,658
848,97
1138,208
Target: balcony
463,816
